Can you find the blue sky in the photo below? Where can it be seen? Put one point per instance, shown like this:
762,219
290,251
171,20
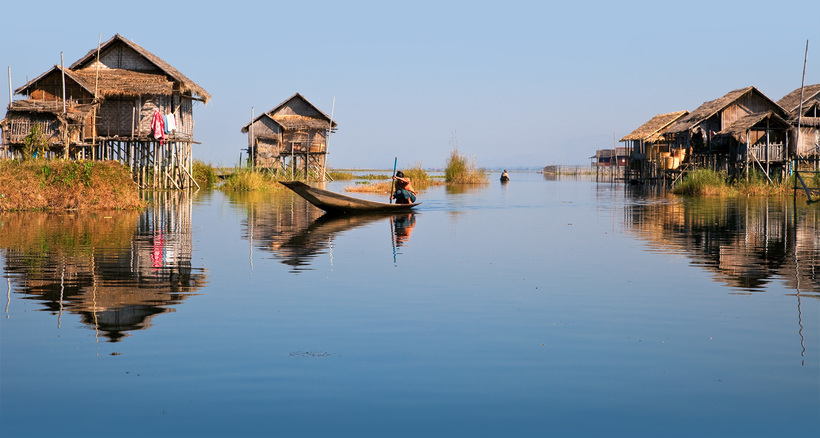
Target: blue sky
512,84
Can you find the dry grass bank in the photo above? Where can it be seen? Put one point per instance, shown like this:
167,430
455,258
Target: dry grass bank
67,185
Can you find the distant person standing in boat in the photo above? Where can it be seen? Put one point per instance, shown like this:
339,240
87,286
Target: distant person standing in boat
505,176
404,193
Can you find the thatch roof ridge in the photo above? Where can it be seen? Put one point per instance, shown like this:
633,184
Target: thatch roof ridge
168,69
791,101
654,125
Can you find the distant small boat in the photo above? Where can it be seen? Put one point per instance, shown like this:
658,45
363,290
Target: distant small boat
332,202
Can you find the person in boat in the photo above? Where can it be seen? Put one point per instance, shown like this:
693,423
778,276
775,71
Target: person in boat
404,193
505,176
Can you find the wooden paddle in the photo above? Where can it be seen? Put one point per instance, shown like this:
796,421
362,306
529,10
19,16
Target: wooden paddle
395,161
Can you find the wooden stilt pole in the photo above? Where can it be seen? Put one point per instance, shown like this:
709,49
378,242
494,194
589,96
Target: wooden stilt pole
65,128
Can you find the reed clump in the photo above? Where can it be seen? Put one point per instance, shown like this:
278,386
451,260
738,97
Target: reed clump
419,177
39,184
460,170
758,185
703,182
204,174
244,180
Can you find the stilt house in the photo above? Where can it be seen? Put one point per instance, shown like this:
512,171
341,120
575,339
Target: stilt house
651,150
618,157
292,136
808,147
741,129
118,102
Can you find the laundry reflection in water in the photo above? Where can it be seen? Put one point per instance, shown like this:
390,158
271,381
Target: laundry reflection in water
117,270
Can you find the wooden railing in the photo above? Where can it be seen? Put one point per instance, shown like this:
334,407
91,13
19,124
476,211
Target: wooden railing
17,130
768,153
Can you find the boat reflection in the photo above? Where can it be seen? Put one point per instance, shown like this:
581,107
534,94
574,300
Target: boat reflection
296,233
745,243
116,270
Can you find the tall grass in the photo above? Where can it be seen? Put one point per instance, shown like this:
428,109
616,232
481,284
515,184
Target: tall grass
204,174
245,180
703,183
460,170
758,185
418,176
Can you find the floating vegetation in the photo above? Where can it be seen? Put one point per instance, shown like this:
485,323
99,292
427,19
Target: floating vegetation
310,354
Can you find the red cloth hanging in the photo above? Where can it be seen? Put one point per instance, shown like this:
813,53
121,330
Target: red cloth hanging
158,127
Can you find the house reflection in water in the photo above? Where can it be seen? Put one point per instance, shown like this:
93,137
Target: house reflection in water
746,243
117,270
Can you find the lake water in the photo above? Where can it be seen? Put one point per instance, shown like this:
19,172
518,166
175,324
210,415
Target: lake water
535,308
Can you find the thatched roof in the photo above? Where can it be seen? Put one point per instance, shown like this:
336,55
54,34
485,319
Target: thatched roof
791,101
297,122
741,125
811,106
810,121
712,107
652,129
183,81
118,82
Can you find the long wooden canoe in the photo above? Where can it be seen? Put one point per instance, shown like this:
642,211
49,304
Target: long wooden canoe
336,203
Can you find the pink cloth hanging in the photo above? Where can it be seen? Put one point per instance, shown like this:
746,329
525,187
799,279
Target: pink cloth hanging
158,127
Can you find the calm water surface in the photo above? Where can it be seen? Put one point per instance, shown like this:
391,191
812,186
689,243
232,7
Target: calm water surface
535,308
